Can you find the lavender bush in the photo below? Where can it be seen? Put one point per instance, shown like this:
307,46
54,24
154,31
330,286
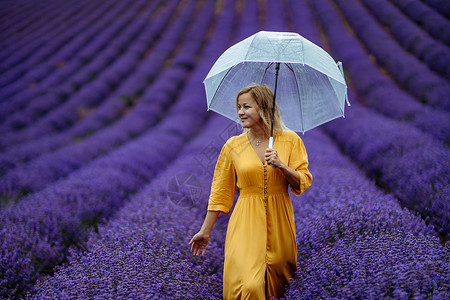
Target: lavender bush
77,41
134,87
159,240
65,210
405,68
440,5
31,177
141,252
140,263
77,73
432,20
94,70
435,54
398,156
394,265
355,241
378,90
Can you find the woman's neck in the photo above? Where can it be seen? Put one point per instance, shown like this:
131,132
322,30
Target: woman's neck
258,133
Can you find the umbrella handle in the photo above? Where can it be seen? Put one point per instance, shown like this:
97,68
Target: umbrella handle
271,142
271,147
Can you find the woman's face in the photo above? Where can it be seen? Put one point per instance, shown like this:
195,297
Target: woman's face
248,111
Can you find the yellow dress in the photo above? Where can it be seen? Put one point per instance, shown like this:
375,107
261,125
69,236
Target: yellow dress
260,246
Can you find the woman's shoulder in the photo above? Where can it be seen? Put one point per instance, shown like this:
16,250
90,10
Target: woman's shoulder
289,138
288,135
236,140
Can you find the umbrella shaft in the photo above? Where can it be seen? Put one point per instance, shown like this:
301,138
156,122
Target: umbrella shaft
277,68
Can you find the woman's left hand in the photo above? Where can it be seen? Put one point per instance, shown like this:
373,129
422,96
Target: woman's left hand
271,157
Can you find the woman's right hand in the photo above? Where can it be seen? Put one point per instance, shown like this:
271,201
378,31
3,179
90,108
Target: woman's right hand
198,243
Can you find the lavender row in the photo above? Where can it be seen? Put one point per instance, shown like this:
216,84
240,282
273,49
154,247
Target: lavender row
408,162
411,165
303,21
11,12
23,90
154,228
37,25
32,56
125,97
177,220
58,87
354,241
146,236
139,264
274,16
249,24
410,73
435,54
384,265
39,229
14,21
114,107
342,204
40,172
441,6
48,168
65,210
35,51
86,90
46,77
15,25
431,20
378,90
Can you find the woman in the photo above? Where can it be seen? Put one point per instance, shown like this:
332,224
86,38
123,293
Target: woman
260,246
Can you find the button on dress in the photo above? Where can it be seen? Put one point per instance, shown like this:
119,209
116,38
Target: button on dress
260,246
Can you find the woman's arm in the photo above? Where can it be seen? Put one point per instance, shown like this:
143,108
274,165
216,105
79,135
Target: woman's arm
200,240
291,175
223,189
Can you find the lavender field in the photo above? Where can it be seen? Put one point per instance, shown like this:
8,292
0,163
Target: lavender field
107,150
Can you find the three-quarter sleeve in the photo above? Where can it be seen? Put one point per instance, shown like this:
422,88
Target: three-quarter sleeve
299,162
223,187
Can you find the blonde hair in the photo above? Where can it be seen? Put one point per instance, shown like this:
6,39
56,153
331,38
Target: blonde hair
263,97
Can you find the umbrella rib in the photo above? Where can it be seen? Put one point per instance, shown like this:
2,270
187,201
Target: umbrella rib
268,66
299,97
220,84
289,67
264,73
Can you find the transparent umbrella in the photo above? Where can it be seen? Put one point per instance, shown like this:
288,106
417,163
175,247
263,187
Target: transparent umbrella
308,85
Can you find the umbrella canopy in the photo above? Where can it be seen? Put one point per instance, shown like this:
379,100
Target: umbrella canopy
311,88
